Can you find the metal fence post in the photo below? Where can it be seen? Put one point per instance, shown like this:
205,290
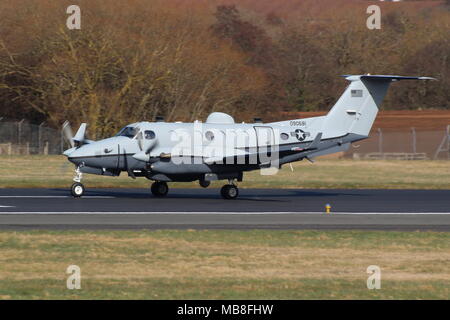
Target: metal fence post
62,141
19,127
40,137
380,140
414,141
448,142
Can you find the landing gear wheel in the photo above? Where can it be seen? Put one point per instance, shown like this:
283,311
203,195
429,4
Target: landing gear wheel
160,189
77,189
204,184
229,191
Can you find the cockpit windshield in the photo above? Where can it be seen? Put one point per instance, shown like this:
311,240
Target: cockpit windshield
129,132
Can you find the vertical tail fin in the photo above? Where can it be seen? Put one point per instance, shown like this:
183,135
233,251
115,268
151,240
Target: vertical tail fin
357,108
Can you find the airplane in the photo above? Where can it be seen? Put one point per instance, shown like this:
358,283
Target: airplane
220,149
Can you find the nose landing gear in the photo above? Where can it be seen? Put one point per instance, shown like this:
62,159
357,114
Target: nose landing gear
77,188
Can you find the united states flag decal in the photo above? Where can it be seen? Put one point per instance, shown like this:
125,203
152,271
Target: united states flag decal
357,93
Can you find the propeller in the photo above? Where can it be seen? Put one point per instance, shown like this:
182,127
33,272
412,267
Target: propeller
140,140
78,139
145,145
68,134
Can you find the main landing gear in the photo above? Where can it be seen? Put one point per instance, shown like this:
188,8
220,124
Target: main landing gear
159,189
77,188
229,191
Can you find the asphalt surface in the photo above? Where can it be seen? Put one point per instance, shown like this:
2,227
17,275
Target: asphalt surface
205,209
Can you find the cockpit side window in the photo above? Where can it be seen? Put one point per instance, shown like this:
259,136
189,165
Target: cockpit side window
129,132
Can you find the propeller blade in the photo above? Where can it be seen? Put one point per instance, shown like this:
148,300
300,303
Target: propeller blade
145,145
140,140
67,133
149,146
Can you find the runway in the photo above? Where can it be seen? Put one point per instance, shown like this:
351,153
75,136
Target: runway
205,209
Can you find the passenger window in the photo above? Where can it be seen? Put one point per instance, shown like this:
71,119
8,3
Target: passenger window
149,134
209,135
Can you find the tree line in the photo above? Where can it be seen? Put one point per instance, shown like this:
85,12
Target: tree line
133,60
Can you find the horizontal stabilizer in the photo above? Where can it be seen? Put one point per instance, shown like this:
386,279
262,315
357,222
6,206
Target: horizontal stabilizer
383,77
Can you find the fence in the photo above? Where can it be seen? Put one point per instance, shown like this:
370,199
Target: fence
25,138
403,145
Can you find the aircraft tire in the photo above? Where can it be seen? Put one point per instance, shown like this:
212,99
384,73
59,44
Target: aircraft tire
77,190
159,189
229,192
204,184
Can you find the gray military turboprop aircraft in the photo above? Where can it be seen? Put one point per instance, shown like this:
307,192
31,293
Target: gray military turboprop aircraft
221,149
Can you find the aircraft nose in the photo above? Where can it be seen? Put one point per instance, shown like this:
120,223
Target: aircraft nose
97,154
68,152
75,156
82,155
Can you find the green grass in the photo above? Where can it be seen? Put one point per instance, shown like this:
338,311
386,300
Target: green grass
57,172
219,264
187,289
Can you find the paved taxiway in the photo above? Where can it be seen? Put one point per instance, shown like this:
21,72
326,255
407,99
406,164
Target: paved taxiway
203,208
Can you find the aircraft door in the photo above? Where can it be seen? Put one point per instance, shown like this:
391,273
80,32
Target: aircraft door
119,164
265,139
265,136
